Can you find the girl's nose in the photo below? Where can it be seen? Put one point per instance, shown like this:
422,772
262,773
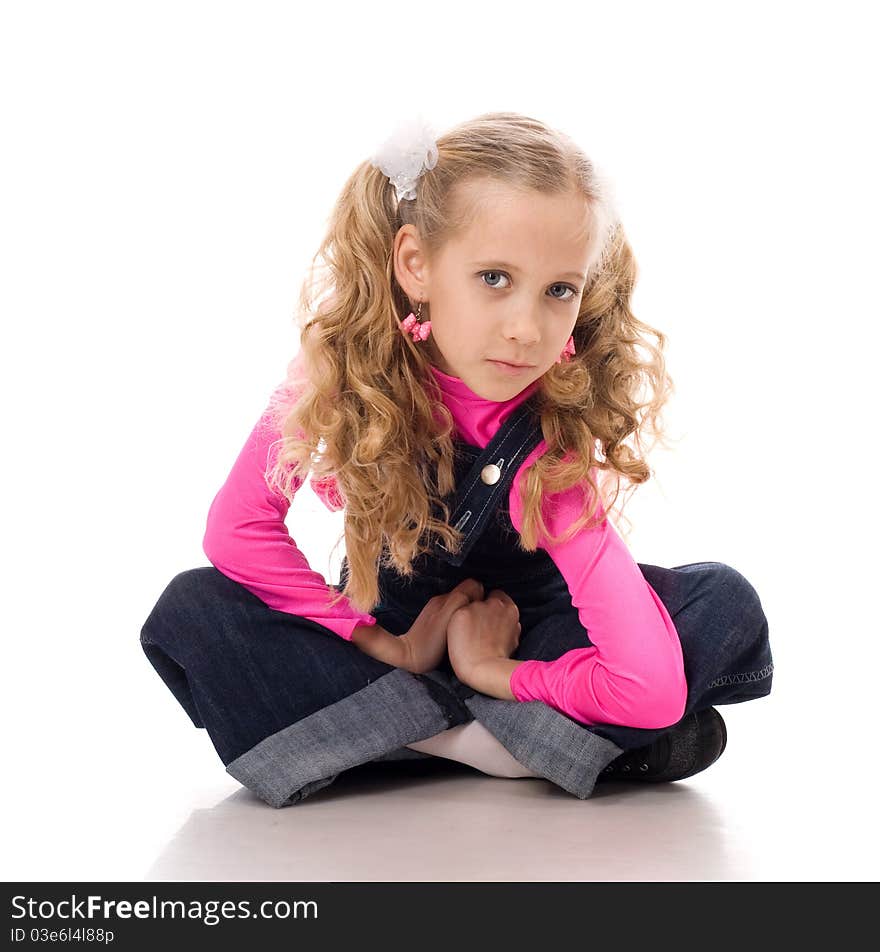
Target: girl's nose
524,330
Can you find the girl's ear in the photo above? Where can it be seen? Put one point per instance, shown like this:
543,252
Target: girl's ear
410,264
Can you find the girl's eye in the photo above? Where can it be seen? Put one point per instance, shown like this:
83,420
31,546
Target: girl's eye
565,287
484,273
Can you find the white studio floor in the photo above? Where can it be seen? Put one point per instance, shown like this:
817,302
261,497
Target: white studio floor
151,801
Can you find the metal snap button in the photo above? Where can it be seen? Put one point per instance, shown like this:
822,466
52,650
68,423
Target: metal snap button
490,474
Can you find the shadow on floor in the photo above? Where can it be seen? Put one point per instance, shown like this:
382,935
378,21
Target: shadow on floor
439,820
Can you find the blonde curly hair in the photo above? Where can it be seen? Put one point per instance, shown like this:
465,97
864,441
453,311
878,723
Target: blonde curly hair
368,413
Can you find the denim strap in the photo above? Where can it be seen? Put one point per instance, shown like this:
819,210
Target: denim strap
515,439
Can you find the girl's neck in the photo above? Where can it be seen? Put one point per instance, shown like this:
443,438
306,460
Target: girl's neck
477,419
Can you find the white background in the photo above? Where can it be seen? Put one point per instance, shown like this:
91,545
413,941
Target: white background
167,170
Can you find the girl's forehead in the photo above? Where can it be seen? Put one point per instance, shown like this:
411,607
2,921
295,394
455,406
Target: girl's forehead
524,228
493,212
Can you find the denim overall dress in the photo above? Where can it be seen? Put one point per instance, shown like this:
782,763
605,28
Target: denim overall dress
289,705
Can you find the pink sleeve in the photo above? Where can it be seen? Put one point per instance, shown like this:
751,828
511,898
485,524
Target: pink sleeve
247,540
633,673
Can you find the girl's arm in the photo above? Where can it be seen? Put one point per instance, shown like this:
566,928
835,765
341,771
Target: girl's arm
247,540
633,673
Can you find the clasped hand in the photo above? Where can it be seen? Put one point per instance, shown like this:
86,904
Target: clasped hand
474,630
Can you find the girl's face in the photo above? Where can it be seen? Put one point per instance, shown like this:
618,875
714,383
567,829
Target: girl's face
507,288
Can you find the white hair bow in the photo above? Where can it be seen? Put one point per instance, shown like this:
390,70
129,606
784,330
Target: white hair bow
410,150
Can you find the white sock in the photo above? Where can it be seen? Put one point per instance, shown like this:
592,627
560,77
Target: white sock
472,744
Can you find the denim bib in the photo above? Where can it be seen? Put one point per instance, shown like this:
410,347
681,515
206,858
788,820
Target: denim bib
489,550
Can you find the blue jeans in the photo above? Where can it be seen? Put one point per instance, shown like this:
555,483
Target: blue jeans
289,705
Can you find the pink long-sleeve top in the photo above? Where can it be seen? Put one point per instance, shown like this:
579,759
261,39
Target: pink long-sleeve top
631,674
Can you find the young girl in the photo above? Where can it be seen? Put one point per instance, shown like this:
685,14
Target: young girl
471,390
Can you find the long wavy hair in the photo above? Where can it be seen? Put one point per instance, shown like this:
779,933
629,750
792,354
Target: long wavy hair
368,413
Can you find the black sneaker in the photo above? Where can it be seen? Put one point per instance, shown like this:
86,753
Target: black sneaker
694,744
